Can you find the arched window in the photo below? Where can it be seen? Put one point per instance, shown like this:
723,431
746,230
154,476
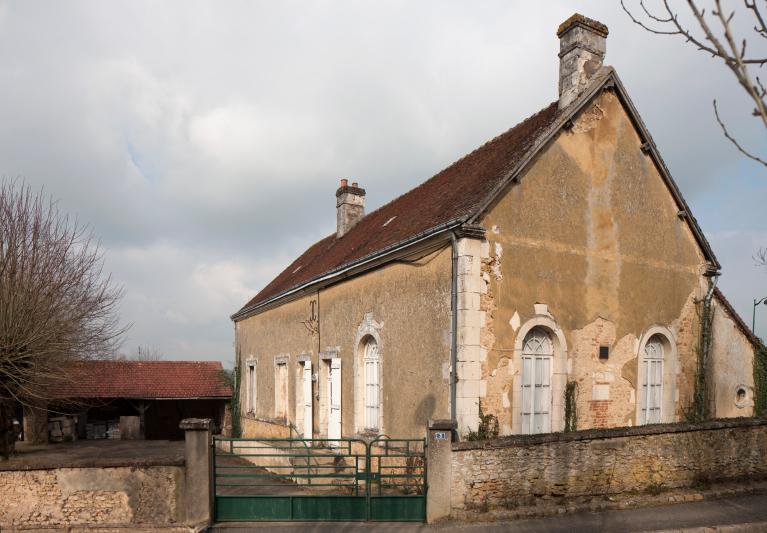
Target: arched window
537,359
651,371
370,363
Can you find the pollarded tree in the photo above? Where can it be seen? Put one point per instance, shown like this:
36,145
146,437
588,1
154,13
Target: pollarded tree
56,303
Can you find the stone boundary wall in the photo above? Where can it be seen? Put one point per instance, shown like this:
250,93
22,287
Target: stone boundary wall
129,497
109,487
524,470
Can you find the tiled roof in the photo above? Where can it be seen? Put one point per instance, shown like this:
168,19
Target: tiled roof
454,193
144,379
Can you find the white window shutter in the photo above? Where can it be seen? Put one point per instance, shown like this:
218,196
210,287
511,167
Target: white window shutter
307,387
334,400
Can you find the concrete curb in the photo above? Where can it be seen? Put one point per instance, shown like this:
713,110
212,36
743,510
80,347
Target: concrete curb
729,528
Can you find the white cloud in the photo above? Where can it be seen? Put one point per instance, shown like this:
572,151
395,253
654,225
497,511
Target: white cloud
203,140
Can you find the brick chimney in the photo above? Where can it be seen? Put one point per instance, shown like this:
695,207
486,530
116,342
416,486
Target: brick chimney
582,46
350,207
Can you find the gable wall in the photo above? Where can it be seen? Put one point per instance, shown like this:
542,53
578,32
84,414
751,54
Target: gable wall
591,231
408,305
732,367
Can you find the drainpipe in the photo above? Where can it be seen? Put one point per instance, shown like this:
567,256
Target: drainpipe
713,277
706,341
454,325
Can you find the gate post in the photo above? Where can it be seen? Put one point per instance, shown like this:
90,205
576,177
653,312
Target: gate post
198,496
439,471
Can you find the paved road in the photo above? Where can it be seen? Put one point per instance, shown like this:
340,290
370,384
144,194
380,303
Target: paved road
735,510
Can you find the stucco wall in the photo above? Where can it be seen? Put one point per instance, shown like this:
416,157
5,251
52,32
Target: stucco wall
589,244
523,470
591,231
409,303
127,497
732,367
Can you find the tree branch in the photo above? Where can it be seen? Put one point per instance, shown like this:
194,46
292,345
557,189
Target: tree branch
731,50
734,141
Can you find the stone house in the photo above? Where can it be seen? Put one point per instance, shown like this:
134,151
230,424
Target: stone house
560,252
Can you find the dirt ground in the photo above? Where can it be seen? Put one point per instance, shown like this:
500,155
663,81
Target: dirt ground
88,453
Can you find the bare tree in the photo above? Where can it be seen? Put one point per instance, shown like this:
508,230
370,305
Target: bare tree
716,35
148,353
761,257
57,305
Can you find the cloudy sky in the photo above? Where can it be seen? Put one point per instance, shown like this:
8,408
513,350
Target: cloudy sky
203,141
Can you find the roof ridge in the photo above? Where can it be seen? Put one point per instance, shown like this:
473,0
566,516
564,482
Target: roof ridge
451,194
460,159
495,139
455,162
457,193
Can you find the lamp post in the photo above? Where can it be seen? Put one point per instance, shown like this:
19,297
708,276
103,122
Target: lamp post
753,313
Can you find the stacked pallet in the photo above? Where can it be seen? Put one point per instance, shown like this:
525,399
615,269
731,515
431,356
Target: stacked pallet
113,429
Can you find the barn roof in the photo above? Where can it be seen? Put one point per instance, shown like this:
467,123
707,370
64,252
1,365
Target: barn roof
144,380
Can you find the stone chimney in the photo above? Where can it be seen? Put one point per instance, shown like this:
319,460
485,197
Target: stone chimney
350,207
582,46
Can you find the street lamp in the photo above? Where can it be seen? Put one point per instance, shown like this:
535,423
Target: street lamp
753,314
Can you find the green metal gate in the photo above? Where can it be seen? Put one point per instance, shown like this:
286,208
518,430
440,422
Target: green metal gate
319,479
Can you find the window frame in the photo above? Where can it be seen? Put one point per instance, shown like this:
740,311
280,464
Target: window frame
252,387
652,389
534,383
371,367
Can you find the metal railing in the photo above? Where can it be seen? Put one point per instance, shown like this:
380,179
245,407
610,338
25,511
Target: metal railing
319,479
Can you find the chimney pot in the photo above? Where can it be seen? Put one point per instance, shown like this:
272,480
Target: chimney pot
582,47
350,207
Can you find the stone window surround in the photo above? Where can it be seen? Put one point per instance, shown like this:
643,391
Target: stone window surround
281,360
670,373
748,398
368,327
545,321
301,360
251,391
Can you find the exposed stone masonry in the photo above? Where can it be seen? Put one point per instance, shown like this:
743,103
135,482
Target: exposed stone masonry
582,44
522,470
109,497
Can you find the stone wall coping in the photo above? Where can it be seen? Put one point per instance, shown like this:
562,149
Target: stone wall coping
443,424
195,424
608,433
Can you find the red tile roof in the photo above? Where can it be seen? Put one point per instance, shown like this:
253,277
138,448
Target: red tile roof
144,379
454,193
